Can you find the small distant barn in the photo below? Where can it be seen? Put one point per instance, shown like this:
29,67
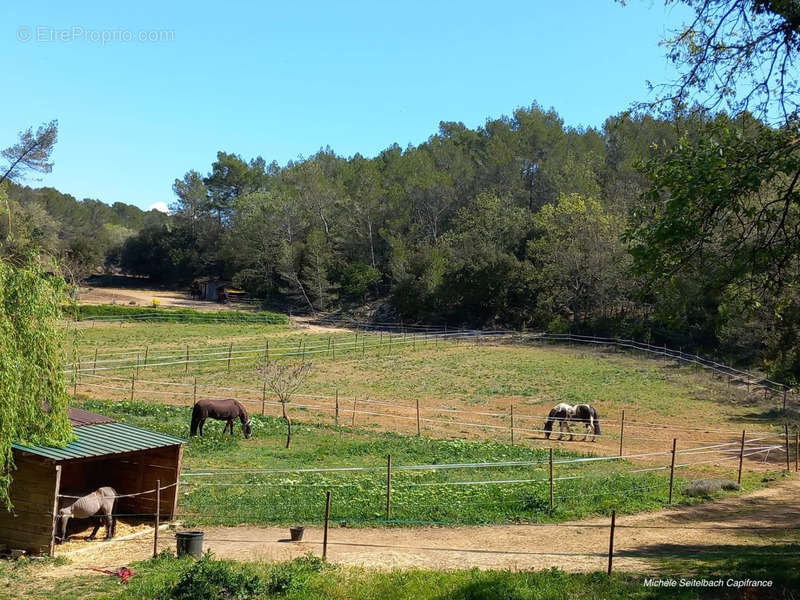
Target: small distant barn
211,289
129,459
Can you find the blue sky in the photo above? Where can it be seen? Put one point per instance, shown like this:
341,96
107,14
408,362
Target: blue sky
281,80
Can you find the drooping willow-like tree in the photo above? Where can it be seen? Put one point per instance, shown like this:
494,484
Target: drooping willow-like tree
33,386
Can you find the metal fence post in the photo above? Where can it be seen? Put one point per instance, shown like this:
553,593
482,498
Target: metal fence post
325,530
611,540
741,458
551,479
672,468
388,487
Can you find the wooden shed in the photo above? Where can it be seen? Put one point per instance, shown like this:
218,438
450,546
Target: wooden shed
106,453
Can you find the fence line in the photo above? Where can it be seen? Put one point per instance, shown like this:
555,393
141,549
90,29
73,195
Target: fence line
345,410
663,350
259,397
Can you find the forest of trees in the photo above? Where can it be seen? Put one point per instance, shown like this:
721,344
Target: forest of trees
515,223
523,222
84,235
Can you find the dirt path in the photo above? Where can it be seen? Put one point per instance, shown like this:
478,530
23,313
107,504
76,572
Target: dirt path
671,531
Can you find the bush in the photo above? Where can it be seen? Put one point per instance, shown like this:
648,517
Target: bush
216,580
708,487
294,575
558,325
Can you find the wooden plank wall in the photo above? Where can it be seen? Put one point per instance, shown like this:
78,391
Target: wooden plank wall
128,474
29,526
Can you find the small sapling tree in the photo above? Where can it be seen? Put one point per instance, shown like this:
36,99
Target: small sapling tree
283,379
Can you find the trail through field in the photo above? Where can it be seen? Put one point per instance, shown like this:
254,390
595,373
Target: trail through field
573,546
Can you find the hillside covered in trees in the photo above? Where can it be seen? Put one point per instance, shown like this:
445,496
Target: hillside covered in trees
84,234
523,222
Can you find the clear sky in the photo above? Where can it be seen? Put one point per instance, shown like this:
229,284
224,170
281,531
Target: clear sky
282,79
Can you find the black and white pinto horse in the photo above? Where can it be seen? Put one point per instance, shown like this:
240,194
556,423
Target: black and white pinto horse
565,414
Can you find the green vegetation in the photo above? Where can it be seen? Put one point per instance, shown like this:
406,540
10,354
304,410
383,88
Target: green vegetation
308,578
179,315
445,372
31,351
293,497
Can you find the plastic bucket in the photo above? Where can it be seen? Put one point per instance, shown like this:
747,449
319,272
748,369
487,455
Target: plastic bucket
296,533
190,542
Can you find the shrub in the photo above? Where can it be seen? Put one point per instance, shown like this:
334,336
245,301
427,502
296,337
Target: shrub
294,575
708,487
216,580
558,325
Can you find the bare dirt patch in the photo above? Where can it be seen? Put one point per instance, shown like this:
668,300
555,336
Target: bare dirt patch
573,546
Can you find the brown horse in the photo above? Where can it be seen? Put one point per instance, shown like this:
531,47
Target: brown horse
224,410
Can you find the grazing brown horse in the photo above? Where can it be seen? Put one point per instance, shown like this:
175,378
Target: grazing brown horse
224,410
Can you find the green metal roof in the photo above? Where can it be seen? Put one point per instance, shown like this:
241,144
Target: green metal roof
102,439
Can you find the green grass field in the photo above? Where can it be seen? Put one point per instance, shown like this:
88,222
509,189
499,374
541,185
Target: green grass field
418,496
446,373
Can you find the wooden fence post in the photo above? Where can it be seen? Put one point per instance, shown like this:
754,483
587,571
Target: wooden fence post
94,365
621,431
786,433
784,400
186,369
336,410
419,429
325,529
363,345
388,487
158,517
611,540
230,350
146,352
741,458
551,479
796,450
353,421
672,468
333,347
512,424
137,364
194,392
133,384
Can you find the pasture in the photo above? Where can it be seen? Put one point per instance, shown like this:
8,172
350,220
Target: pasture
370,393
231,481
471,465
465,388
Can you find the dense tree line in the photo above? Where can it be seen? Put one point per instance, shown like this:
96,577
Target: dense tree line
84,235
484,226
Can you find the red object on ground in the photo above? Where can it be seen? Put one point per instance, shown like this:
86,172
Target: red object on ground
124,573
